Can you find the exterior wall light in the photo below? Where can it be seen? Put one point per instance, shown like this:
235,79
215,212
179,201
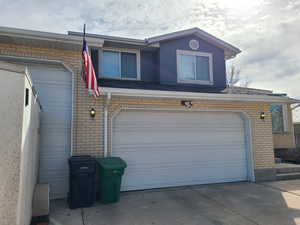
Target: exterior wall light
262,115
92,112
187,103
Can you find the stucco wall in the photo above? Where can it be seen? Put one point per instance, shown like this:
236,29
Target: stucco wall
11,111
287,139
18,148
29,158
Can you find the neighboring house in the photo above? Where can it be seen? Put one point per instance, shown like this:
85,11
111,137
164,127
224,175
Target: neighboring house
162,109
282,118
297,134
19,138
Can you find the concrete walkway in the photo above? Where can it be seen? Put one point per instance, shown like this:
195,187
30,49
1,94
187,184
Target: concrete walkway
273,203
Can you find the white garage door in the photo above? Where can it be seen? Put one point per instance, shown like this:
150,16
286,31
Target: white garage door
54,87
166,149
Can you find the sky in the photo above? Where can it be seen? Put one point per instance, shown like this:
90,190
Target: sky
267,31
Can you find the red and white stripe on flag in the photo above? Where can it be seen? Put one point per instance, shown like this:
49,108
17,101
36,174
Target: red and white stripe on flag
89,72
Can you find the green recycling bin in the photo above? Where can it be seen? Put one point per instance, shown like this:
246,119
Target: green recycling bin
111,170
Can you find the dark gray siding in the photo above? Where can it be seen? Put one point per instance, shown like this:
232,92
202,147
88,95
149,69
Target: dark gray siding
159,68
168,65
149,66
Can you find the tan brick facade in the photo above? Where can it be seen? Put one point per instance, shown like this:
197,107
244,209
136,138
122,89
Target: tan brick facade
88,132
262,140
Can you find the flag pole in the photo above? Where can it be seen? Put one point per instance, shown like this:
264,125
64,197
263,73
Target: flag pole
84,32
82,66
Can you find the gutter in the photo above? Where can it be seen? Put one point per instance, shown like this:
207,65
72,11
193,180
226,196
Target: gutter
110,38
106,105
124,92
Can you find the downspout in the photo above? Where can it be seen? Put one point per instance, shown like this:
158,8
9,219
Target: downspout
106,105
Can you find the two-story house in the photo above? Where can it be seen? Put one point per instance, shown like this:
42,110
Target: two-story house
163,109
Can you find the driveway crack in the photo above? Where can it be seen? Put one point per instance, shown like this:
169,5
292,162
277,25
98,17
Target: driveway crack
224,206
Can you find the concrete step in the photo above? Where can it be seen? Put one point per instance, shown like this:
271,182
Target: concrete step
288,176
285,170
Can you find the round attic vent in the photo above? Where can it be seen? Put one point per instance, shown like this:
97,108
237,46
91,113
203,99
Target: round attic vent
194,44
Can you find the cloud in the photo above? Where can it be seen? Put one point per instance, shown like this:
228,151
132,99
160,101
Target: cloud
266,30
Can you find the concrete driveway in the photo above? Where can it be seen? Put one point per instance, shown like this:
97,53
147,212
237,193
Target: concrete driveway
274,203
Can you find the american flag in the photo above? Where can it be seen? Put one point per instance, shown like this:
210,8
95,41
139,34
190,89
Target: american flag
88,74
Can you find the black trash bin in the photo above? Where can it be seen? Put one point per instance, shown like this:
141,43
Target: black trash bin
82,190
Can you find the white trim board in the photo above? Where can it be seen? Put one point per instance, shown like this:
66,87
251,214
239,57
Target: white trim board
124,92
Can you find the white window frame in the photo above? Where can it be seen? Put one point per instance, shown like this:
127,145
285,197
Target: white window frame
138,63
285,119
195,53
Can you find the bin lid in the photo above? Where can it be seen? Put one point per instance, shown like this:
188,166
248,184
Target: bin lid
81,158
111,163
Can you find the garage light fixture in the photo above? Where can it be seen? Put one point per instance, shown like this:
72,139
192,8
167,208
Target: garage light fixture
187,103
92,112
262,115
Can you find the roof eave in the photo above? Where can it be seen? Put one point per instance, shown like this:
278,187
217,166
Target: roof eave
47,37
110,38
123,92
229,50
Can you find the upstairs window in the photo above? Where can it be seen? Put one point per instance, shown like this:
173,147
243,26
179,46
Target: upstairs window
279,118
120,64
194,67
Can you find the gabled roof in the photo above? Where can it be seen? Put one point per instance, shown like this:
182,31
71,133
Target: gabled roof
230,50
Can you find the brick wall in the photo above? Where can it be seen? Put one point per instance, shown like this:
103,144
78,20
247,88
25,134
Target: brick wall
262,139
88,132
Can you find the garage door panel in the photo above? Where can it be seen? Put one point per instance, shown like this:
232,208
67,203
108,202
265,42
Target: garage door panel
54,87
126,141
174,150
59,95
163,128
162,156
169,177
53,139
143,163
179,145
136,167
177,148
145,136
